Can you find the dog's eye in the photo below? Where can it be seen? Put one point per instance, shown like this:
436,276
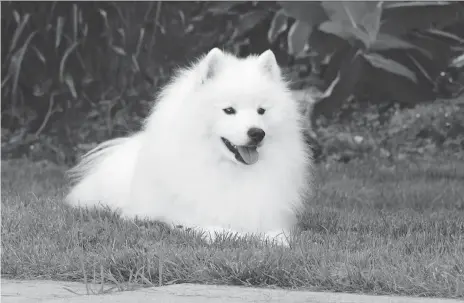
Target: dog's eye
229,110
261,111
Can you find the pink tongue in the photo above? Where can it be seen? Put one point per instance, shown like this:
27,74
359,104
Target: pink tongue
249,154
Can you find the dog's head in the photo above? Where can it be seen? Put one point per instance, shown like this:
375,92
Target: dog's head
246,102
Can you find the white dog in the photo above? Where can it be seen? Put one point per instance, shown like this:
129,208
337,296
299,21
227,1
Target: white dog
222,150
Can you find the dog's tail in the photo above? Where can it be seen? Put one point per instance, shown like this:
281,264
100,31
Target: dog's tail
103,176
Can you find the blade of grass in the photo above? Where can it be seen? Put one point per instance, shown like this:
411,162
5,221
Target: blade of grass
18,32
15,64
65,57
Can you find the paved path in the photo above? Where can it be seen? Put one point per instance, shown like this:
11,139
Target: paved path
51,291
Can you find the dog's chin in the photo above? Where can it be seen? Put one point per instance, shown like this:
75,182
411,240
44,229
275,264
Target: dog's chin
243,154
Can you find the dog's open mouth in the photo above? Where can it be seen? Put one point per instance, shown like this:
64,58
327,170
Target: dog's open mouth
246,154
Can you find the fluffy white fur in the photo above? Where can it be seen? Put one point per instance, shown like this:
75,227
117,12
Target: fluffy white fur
178,170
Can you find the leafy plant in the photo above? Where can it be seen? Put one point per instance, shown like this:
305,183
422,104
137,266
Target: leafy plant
397,47
59,42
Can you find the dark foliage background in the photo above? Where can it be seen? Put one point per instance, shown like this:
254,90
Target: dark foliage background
77,73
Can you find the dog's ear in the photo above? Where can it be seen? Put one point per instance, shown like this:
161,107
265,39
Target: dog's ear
211,63
268,62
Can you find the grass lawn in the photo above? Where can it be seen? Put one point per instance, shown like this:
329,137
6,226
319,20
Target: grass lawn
370,229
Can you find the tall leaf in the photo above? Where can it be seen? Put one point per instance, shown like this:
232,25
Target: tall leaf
438,48
64,58
118,50
18,32
387,42
310,12
447,35
59,31
68,79
349,12
400,19
222,7
396,4
422,69
345,32
298,37
382,83
458,61
363,16
390,65
75,22
278,25
337,29
248,21
371,21
16,62
349,70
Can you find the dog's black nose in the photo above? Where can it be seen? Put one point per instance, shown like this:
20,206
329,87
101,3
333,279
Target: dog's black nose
256,134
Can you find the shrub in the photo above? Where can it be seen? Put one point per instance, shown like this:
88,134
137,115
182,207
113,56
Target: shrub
397,48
